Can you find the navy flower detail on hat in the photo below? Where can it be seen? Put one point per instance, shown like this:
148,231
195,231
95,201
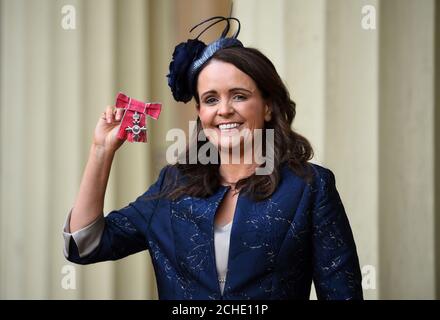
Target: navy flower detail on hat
190,56
184,55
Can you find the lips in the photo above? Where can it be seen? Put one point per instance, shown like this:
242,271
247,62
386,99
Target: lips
229,126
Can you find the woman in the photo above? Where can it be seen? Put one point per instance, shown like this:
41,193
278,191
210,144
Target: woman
221,230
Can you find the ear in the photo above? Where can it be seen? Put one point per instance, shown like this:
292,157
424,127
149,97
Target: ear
267,113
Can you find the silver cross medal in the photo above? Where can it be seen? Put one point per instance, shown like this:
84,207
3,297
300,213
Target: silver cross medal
136,129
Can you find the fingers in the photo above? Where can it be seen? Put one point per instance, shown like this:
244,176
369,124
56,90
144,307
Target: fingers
119,114
111,115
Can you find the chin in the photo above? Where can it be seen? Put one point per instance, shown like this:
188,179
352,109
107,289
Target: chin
227,145
229,140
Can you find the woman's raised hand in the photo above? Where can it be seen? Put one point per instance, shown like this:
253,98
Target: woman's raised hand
107,129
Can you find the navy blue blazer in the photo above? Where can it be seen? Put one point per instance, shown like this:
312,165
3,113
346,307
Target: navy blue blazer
277,246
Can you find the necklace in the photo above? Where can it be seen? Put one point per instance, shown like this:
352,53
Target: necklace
229,184
232,184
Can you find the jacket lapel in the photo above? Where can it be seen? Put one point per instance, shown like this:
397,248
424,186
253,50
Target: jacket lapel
192,221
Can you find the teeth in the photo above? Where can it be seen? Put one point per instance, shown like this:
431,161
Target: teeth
226,126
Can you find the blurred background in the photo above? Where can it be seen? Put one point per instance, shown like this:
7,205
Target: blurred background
363,74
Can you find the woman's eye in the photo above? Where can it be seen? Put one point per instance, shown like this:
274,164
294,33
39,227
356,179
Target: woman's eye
210,100
239,97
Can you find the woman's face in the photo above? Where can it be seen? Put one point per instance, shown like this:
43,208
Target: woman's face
230,104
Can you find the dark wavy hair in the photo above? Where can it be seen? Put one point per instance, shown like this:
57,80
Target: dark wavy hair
203,180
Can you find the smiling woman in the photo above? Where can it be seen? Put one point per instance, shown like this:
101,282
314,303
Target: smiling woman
240,87
230,100
219,230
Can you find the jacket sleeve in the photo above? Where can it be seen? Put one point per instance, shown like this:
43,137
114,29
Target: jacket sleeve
121,233
336,271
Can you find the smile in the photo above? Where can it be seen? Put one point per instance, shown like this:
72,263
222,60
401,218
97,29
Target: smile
228,126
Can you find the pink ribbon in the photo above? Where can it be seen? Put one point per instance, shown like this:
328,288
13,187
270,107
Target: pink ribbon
133,125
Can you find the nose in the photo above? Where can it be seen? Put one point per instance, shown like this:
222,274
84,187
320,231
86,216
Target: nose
225,109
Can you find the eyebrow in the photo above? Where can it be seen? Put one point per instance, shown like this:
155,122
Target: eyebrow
230,90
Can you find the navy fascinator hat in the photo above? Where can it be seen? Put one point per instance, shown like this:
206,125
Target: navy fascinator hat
190,56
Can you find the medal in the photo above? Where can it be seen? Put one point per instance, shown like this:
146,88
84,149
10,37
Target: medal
136,129
133,124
